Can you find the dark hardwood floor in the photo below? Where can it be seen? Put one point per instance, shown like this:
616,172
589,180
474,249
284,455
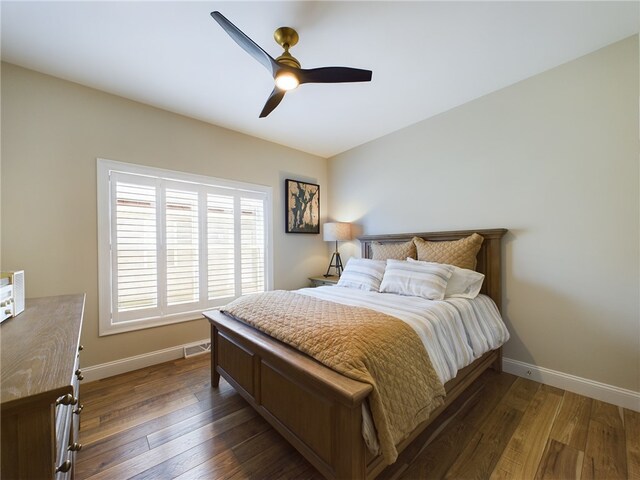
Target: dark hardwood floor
166,421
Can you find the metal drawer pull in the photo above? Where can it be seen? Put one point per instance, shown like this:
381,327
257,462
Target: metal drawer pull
80,348
79,374
67,399
65,467
76,447
79,409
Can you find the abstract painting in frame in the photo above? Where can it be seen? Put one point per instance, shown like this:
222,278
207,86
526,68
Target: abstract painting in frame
302,207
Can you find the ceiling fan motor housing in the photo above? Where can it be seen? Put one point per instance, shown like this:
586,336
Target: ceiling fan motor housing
287,37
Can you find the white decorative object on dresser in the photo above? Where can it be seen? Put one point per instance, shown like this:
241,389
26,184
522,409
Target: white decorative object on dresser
6,299
14,304
39,393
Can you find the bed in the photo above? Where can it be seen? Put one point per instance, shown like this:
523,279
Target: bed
318,410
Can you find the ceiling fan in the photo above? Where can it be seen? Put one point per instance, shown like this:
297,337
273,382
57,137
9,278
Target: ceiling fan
285,69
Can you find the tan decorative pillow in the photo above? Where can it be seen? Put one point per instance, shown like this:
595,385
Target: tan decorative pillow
461,253
395,251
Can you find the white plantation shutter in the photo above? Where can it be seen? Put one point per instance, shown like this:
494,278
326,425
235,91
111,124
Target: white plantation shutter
252,245
172,245
220,246
182,246
135,247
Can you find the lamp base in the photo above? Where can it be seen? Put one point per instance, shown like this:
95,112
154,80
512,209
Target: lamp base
336,262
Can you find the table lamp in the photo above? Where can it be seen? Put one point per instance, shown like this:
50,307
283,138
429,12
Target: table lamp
336,232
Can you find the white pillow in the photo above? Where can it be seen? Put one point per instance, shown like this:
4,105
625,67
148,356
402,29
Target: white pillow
416,279
363,274
463,283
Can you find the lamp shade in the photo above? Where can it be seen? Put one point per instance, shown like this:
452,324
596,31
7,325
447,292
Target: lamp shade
337,232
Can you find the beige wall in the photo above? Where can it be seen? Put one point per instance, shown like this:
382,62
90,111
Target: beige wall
52,132
555,160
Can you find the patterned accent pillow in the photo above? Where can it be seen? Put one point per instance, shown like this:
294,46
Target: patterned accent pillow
416,279
396,251
460,253
463,283
363,274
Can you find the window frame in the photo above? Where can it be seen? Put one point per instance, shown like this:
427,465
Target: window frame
200,183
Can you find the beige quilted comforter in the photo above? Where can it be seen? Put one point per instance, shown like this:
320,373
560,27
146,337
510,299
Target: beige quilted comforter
361,344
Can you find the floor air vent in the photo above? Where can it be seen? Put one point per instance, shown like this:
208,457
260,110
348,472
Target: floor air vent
192,350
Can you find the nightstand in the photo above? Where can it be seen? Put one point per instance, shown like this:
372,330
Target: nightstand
322,280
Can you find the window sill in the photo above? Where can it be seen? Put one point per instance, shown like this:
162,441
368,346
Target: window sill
133,325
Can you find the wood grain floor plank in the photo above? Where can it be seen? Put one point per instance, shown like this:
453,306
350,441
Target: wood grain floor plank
572,424
481,454
136,418
149,402
224,463
439,456
114,456
605,456
187,460
170,449
522,454
155,424
632,430
496,386
125,381
104,406
102,457
223,391
89,423
551,389
560,462
520,394
266,455
607,414
261,466
178,429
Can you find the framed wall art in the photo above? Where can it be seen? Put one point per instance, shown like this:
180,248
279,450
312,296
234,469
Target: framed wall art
302,207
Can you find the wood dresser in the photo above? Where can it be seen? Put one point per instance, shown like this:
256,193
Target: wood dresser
40,374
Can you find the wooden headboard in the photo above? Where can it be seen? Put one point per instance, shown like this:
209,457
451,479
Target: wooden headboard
489,256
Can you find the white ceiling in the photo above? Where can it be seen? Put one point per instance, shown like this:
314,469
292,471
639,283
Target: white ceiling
426,57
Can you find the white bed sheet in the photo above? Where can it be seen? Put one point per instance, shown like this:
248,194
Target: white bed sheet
454,331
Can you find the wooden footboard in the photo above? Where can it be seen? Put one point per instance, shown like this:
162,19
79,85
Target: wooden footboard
316,409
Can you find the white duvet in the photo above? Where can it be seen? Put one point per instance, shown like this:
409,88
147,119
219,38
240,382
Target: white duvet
454,331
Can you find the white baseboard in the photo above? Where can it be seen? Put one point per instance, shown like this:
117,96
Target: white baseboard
109,369
583,386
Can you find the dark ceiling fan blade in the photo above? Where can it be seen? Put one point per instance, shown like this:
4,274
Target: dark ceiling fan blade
251,47
334,75
272,102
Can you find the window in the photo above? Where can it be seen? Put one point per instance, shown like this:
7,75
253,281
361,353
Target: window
172,245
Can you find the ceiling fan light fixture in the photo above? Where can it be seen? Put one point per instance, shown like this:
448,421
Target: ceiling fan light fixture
285,69
286,81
